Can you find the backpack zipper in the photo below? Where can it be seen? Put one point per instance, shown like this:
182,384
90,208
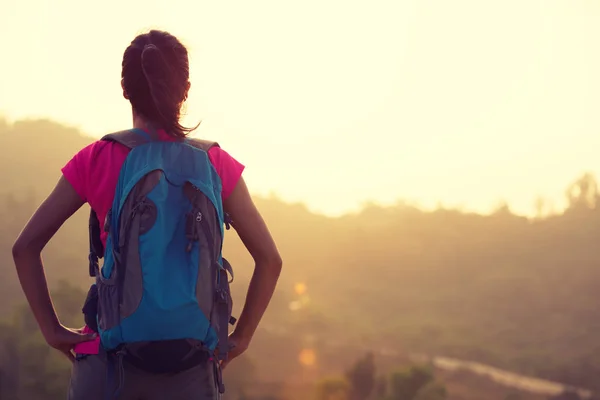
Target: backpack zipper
125,245
220,294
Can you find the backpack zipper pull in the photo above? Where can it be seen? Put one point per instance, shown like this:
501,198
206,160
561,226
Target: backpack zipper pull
191,229
227,221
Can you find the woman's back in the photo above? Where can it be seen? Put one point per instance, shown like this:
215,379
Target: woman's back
155,80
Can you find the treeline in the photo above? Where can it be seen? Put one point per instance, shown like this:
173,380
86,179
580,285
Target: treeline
361,382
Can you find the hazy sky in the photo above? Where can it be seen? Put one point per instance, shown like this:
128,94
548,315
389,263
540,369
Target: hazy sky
337,102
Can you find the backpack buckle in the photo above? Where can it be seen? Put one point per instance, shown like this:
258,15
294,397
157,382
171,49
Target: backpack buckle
93,264
222,296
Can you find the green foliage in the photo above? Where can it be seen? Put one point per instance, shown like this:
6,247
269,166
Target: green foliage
416,382
30,369
333,388
567,395
432,391
407,384
381,387
361,377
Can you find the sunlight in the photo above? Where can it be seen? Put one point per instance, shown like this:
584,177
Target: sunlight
300,288
307,358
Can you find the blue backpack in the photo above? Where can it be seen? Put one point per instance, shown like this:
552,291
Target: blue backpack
163,298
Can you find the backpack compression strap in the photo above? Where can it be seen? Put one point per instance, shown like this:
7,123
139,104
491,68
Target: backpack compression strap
130,138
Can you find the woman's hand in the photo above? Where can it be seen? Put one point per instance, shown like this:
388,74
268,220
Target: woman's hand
238,344
64,339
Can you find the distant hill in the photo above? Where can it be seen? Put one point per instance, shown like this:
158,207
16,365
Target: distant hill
500,289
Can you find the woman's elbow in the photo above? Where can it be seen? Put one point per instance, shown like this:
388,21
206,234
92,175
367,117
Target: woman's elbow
21,248
18,249
271,263
277,263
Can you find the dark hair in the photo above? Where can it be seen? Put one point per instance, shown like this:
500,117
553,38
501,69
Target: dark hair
156,79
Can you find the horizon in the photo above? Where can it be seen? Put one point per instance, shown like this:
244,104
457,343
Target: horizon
547,212
434,103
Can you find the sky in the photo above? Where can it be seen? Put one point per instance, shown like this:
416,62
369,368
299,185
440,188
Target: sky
464,103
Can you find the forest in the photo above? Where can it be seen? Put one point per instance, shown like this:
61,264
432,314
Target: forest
360,296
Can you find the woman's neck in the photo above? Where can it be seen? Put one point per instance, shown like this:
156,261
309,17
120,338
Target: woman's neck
140,123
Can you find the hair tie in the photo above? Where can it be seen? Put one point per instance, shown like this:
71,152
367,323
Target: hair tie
150,46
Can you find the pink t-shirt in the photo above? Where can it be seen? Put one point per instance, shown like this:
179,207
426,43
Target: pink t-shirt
94,173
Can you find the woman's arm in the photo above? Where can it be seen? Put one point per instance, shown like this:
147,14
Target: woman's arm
255,235
49,217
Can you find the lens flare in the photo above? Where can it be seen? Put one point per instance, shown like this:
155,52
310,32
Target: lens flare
307,357
300,288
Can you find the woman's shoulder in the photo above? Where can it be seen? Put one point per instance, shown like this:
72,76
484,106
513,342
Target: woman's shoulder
228,168
97,148
92,161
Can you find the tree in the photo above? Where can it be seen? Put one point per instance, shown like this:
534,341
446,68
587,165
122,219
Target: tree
432,391
567,395
361,377
405,385
381,387
583,193
334,388
541,207
502,209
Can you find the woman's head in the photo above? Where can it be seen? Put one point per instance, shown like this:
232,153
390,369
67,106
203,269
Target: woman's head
155,79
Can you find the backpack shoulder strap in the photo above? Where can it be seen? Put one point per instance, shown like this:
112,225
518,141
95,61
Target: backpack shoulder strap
96,247
129,138
134,137
205,145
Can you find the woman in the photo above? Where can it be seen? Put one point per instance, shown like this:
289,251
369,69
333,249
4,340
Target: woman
155,80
